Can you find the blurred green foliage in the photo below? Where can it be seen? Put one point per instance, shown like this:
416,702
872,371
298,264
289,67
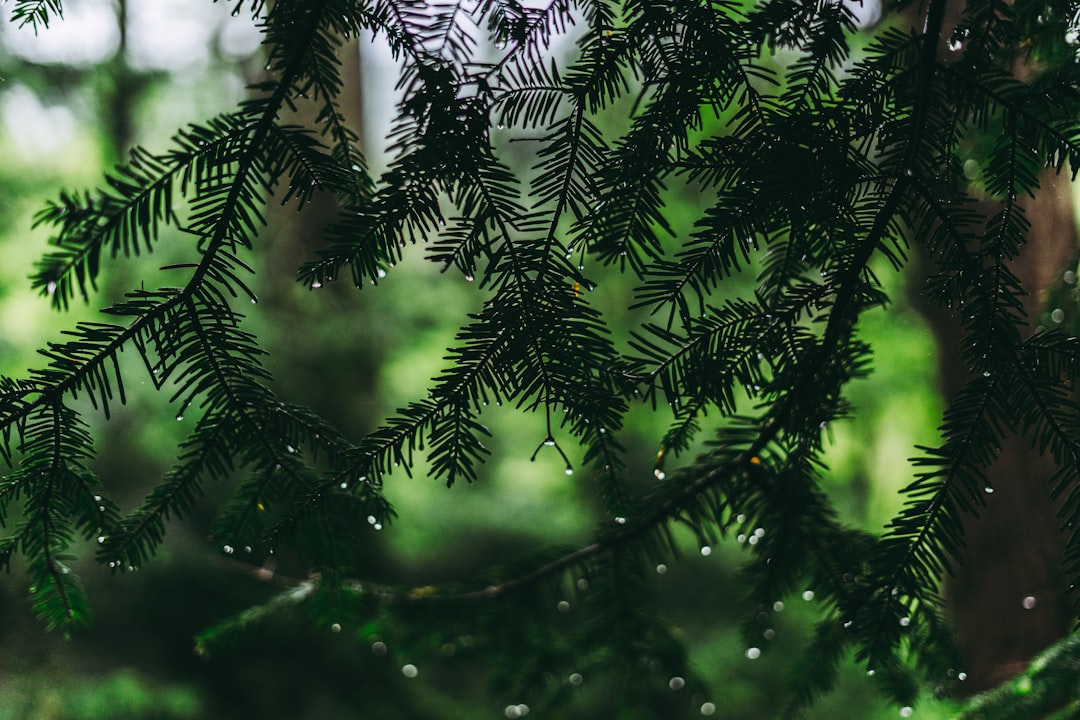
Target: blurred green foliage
119,693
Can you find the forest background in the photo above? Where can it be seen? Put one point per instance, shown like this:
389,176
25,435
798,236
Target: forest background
73,100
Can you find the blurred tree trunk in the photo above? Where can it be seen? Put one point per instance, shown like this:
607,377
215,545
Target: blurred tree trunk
120,98
119,89
321,341
1008,598
328,342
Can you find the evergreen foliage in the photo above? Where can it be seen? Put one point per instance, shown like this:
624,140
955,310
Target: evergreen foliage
1046,689
813,156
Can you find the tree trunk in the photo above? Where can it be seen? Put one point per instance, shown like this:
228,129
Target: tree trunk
1008,598
321,361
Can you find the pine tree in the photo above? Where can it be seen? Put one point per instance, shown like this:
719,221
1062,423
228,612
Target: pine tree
815,152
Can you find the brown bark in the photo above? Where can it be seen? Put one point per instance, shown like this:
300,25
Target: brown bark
1008,598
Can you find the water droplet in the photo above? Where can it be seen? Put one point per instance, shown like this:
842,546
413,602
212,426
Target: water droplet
569,470
906,711
100,539
247,549
228,549
582,584
808,595
708,708
706,551
378,648
1057,315
500,44
409,670
179,418
563,606
759,532
660,475
549,442
870,673
336,627
753,653
1029,602
381,273
961,676
661,569
316,285
469,278
988,490
576,679
778,606
344,486
51,287
769,634
620,520
290,448
676,683
905,621
377,526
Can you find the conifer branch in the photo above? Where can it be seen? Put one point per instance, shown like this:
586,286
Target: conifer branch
37,13
222,219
